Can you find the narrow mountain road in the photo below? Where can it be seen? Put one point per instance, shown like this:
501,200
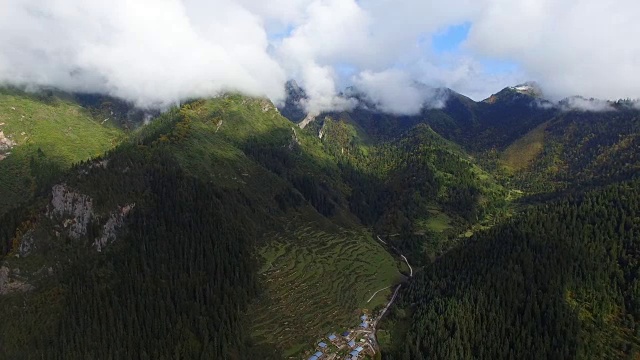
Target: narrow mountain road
410,268
402,256
384,311
374,294
374,325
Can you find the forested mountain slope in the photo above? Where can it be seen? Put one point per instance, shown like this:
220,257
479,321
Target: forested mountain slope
157,249
582,148
560,281
476,126
418,185
223,230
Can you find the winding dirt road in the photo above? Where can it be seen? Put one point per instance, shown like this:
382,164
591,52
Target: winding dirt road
374,325
374,294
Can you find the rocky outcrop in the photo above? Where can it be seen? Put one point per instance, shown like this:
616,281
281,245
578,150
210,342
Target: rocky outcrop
73,212
73,208
27,243
322,131
99,164
6,144
294,139
113,224
307,120
10,283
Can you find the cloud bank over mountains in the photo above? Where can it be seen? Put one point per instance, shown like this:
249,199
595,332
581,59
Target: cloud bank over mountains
158,52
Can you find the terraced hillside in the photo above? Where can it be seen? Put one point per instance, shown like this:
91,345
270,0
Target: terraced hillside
269,187
317,280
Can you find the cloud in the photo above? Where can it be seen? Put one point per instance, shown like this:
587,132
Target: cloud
572,47
390,91
158,52
152,52
581,104
396,92
321,90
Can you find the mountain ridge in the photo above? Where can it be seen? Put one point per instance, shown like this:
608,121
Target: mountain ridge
288,216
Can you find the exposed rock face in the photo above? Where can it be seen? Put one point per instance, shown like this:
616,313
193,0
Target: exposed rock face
294,139
323,130
115,222
26,244
6,144
100,164
10,284
76,209
307,120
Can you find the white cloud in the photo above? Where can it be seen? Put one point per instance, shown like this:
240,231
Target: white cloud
396,92
465,75
572,47
157,52
582,104
154,52
321,90
392,91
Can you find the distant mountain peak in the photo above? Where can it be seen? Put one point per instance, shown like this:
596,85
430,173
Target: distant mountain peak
530,88
292,86
293,106
526,91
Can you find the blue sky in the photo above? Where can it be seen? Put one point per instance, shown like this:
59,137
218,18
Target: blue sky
451,41
446,43
451,38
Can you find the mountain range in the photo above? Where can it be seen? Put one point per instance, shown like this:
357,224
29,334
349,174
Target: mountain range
221,229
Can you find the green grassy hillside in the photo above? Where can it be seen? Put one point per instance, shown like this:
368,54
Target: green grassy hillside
523,151
46,136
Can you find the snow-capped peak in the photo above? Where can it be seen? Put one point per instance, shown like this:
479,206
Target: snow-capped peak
522,88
